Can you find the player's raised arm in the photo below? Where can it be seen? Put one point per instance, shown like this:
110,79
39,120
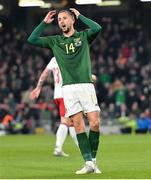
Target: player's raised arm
35,38
36,92
95,28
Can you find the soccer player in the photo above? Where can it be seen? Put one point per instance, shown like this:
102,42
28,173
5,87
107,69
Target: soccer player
58,98
71,50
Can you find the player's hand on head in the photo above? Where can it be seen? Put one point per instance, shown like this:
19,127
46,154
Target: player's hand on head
76,12
49,17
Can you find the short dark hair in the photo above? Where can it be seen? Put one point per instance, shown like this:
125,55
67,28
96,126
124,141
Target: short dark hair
69,12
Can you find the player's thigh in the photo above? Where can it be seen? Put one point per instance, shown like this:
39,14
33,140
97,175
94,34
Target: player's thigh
94,120
78,122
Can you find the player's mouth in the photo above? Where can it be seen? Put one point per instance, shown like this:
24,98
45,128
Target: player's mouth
63,26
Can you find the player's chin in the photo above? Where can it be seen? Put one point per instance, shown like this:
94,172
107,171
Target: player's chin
65,30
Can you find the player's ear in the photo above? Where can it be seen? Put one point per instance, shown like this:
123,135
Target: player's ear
73,20
72,16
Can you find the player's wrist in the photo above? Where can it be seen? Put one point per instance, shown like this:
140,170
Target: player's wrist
39,86
78,15
45,22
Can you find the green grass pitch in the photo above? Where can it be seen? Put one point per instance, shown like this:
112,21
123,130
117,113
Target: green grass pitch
30,157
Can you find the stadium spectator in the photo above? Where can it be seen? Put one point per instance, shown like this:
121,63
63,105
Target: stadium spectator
128,124
142,124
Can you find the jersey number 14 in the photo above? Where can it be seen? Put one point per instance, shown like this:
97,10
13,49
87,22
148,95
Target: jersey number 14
70,48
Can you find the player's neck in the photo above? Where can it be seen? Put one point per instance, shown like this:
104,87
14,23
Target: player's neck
70,33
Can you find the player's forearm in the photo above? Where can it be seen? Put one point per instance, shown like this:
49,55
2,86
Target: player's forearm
35,38
42,78
95,27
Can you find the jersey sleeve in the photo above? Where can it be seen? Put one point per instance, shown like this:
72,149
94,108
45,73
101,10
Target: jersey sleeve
36,39
93,30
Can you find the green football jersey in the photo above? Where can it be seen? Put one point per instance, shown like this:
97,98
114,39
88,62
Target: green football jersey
71,53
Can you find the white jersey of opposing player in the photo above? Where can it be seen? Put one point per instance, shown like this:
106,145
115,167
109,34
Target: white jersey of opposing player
53,66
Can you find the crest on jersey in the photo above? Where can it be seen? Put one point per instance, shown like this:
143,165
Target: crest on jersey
77,42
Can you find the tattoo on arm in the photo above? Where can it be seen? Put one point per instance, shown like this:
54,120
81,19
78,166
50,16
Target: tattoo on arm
42,78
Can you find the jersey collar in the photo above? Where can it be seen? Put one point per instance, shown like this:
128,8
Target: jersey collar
73,35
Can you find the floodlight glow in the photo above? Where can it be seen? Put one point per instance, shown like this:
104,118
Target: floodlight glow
1,25
145,0
1,7
46,5
30,3
109,3
80,2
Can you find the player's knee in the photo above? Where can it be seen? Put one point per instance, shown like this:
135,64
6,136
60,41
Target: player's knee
78,122
79,128
95,124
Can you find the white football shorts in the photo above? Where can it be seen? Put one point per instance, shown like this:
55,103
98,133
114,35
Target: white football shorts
80,97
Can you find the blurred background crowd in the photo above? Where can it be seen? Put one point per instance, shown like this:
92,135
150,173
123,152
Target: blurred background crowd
120,56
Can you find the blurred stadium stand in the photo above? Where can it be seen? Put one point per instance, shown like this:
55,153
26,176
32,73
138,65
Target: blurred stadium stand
121,59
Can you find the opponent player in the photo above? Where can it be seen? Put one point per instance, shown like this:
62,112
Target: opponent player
71,50
58,98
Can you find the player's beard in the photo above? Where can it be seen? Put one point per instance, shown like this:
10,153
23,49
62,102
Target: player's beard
66,30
